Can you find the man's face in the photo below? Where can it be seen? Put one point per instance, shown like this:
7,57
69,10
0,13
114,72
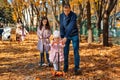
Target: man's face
66,10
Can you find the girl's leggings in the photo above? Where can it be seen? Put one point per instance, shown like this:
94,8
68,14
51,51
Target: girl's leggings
42,59
56,67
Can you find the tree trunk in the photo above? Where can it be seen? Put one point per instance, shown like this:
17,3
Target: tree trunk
89,22
23,18
32,14
55,20
80,18
67,1
105,29
98,26
45,8
107,12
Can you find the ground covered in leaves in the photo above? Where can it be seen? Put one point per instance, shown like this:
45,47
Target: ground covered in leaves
19,61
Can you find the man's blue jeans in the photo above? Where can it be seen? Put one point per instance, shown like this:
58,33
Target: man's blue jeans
75,43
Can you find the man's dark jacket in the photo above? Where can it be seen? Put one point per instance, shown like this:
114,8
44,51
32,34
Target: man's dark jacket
68,25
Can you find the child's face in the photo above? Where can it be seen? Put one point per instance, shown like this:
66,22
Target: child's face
44,22
56,39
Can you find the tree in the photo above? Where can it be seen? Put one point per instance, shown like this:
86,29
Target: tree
18,7
55,13
108,6
65,1
98,6
89,21
5,12
103,10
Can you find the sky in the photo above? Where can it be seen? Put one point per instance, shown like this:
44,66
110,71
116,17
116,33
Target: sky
9,1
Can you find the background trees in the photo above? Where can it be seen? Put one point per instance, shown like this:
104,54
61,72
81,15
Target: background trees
5,12
30,12
108,7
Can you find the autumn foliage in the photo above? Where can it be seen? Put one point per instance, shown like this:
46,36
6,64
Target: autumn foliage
19,61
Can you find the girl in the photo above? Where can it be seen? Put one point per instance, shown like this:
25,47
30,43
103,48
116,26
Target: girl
43,33
56,49
21,32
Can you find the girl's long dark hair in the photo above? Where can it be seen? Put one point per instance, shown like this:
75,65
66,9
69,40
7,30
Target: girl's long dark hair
47,25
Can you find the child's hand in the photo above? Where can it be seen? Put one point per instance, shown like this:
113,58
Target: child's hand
52,43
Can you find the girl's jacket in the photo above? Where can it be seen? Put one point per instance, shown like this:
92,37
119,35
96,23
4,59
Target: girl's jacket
55,49
43,39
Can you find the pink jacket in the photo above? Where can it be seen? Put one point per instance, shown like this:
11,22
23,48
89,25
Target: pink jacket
55,49
43,39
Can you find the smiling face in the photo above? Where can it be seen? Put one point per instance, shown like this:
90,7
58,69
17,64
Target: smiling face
44,22
66,10
56,39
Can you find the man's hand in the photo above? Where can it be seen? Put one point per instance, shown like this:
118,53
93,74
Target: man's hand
64,40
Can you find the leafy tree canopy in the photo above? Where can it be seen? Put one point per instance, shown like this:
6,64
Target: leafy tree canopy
5,12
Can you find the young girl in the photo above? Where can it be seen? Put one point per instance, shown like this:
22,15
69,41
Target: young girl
21,32
43,33
56,49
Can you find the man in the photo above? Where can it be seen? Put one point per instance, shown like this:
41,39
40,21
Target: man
69,32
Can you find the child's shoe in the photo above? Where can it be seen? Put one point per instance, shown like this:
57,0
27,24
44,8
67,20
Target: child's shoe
50,65
41,65
59,73
44,64
54,73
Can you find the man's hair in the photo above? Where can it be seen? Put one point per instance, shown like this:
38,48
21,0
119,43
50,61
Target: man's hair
66,5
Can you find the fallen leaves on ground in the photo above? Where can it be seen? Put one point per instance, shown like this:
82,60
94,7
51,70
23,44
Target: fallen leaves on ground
19,61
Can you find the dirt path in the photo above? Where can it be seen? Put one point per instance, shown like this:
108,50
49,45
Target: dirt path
19,61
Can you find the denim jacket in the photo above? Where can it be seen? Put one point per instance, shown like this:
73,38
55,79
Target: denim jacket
68,25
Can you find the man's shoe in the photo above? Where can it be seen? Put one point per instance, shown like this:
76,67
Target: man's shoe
78,72
65,70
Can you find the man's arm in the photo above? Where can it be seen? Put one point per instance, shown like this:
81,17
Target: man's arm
62,30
